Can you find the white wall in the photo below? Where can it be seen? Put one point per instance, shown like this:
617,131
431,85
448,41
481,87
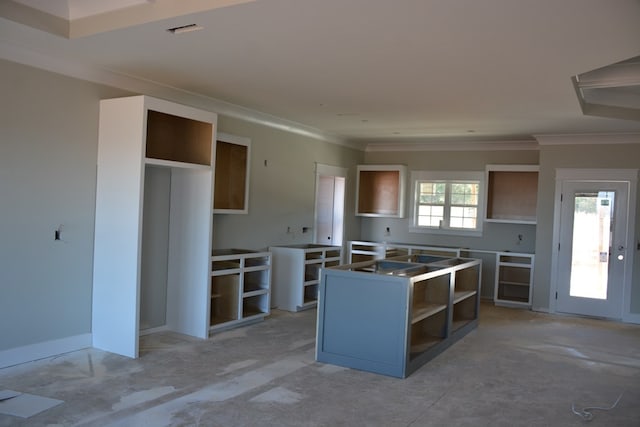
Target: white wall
495,236
48,152
594,156
282,188
537,238
48,146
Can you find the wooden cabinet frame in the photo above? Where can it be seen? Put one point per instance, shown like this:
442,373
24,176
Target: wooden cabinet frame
231,184
512,193
381,190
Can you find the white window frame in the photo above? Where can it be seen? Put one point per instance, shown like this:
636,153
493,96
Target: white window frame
449,177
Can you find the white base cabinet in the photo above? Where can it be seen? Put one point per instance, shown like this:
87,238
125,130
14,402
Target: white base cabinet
366,251
507,277
240,287
296,273
514,279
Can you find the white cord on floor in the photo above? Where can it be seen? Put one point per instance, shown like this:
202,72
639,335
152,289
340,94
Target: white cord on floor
587,415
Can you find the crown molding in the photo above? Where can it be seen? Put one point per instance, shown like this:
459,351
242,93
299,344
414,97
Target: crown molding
512,145
103,18
135,85
34,18
589,139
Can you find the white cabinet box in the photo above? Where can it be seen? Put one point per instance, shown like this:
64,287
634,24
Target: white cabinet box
240,287
296,273
514,279
137,133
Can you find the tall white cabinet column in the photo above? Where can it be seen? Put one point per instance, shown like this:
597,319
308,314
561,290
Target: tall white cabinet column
136,133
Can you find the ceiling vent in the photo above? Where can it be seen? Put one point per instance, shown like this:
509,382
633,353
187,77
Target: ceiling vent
185,29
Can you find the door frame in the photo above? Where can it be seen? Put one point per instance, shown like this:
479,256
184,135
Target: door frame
328,170
623,175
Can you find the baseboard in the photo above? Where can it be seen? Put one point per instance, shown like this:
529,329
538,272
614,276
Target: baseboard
42,350
541,310
153,330
631,318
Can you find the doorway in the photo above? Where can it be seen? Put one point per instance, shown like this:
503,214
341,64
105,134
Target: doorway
593,265
329,206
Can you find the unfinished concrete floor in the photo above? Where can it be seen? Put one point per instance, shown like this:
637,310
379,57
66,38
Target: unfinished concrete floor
517,369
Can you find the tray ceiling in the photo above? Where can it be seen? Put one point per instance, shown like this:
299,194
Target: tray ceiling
408,70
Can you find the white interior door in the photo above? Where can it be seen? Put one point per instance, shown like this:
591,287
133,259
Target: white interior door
592,248
329,209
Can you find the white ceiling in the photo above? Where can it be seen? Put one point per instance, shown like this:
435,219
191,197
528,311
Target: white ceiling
361,70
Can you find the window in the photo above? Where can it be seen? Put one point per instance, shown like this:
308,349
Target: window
447,202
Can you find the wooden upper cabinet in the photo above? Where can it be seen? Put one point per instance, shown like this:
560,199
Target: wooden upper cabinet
231,185
512,193
178,139
381,190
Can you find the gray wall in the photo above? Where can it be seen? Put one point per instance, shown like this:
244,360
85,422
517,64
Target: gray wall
576,156
155,247
495,236
48,148
282,188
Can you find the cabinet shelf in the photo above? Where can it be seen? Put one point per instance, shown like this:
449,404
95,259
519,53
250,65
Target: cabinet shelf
515,264
248,269
419,347
220,320
458,324
422,311
504,282
226,271
254,293
461,296
240,287
175,164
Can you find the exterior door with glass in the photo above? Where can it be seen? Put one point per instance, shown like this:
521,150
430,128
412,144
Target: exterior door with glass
592,248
